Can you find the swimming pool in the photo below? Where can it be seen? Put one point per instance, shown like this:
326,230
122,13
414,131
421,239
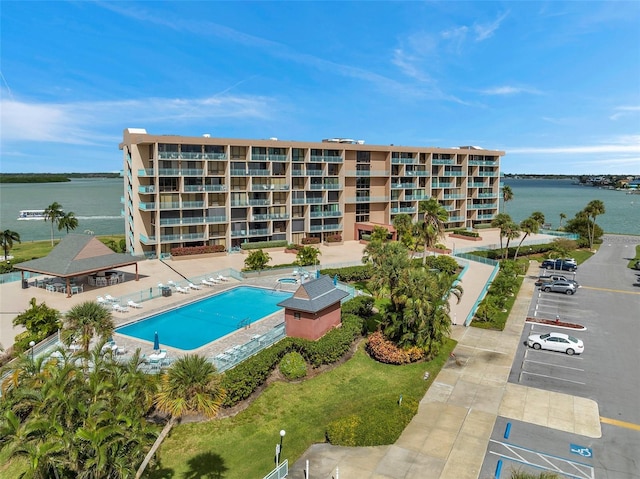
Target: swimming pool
288,280
196,324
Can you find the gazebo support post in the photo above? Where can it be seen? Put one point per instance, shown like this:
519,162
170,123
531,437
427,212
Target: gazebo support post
68,288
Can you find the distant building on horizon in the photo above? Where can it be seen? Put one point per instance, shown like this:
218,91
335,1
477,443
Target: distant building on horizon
193,191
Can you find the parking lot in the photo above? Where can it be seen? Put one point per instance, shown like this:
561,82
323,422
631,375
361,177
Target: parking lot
608,305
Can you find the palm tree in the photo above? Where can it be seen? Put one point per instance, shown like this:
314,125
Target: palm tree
500,221
68,221
372,253
87,319
593,210
528,226
562,218
404,227
53,213
507,195
6,239
432,227
511,231
392,261
191,385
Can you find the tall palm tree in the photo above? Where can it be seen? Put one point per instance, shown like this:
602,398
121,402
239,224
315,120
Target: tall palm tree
6,239
191,385
87,319
391,264
511,231
53,213
404,228
500,221
594,209
507,195
68,221
529,226
562,218
434,217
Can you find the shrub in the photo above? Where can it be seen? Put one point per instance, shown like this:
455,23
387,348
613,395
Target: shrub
189,250
471,234
360,306
350,274
263,244
383,350
337,238
310,240
293,366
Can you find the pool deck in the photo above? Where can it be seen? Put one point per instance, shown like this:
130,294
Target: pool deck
14,299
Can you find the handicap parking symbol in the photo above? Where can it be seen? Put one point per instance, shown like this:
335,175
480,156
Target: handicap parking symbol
581,450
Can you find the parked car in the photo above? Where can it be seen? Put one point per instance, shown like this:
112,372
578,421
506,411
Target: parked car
556,342
559,286
554,277
559,264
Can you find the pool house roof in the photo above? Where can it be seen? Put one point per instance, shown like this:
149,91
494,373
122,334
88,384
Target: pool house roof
314,296
77,255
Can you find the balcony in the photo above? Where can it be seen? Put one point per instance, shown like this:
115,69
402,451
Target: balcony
269,157
259,202
419,197
238,172
375,173
182,221
483,163
325,214
146,172
239,203
482,206
453,173
403,161
214,156
403,210
403,185
215,219
314,201
442,184
271,216
417,173
367,199
476,184
487,195
485,217
147,189
191,188
259,232
487,173
192,204
455,219
443,162
315,228
259,172
182,237
311,172
325,159
147,206
454,196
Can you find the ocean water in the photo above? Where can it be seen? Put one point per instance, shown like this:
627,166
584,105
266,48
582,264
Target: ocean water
96,204
552,197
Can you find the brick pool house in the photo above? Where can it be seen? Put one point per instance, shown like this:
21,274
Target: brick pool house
313,309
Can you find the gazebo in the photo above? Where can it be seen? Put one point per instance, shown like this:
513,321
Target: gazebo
78,255
313,309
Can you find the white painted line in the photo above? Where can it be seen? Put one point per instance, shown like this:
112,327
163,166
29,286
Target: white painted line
551,364
553,377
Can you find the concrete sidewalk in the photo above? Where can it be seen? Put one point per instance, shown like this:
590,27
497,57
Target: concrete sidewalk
448,437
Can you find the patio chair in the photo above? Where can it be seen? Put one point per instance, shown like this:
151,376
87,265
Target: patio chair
182,290
110,298
133,304
207,283
171,283
101,300
222,278
193,286
214,280
120,309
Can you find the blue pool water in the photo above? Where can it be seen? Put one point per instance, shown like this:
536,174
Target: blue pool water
288,280
198,323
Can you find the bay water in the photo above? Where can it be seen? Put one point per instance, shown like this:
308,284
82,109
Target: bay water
96,204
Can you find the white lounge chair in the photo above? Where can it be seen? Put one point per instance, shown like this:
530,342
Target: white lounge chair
207,283
222,278
214,281
110,298
193,286
120,309
101,300
171,283
133,304
182,290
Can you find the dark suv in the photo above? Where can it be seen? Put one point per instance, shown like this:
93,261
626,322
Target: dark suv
559,264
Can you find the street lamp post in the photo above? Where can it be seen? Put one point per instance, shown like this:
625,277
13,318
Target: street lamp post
32,344
279,447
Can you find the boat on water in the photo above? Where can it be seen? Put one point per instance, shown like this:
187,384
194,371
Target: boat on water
31,215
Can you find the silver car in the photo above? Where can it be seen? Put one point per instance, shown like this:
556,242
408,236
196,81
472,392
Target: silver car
556,342
559,286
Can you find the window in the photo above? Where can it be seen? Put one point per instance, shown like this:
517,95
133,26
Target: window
296,316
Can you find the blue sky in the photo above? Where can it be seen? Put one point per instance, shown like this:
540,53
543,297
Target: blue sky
554,84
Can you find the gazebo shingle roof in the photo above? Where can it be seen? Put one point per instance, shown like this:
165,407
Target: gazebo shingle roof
314,296
76,255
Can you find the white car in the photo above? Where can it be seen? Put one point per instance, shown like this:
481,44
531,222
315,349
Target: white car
556,342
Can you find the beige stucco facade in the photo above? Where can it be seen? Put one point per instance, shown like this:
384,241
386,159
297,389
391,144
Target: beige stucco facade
187,191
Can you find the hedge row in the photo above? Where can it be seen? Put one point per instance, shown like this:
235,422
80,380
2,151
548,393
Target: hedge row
189,250
263,244
241,381
350,273
461,232
524,250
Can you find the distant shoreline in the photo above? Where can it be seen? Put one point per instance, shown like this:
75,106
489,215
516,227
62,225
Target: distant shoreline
14,178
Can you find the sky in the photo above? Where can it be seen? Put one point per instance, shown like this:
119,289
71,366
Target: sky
556,85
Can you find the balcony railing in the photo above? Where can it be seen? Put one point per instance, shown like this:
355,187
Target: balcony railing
416,197
146,172
417,173
259,172
403,161
402,186
325,214
271,216
483,162
443,162
455,219
488,173
482,206
270,157
147,206
326,159
453,173
216,219
442,184
315,172
487,195
182,237
367,199
315,228
376,173
404,210
454,196
259,202
193,204
147,189
182,221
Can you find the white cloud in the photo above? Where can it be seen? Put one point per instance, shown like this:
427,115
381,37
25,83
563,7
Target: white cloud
624,144
623,111
486,30
80,123
509,90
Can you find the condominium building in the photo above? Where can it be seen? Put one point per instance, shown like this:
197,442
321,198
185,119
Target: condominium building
192,191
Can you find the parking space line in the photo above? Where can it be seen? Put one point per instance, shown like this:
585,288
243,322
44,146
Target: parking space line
550,377
618,423
575,357
544,461
551,364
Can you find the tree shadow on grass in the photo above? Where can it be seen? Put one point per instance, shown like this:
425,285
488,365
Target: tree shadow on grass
206,466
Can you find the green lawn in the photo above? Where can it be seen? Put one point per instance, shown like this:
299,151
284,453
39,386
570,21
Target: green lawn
244,446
